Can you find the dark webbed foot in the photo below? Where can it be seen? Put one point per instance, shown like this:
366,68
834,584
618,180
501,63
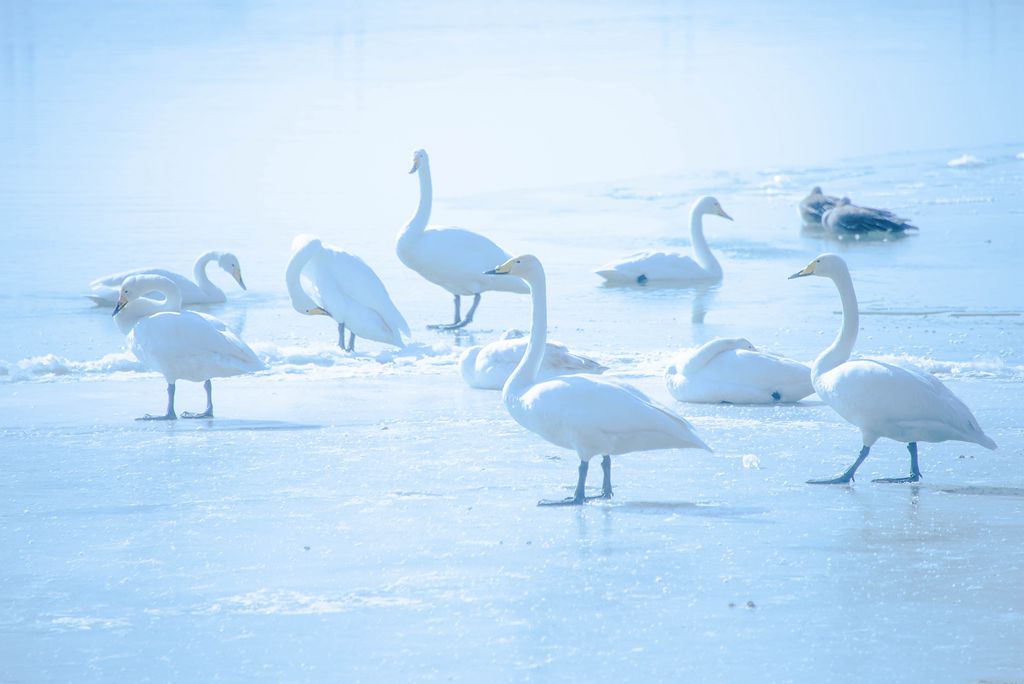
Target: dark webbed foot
846,476
448,326
567,501
205,414
908,478
166,416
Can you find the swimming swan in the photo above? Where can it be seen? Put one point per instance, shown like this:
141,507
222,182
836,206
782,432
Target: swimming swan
902,403
183,345
588,414
344,288
105,289
846,218
453,258
733,371
488,366
645,266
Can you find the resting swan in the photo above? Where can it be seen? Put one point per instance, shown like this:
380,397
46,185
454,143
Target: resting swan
846,218
733,371
344,288
585,413
183,345
105,289
488,366
902,403
643,267
816,204
453,258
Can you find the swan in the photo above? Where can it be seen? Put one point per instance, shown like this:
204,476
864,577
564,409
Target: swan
645,266
488,366
847,218
905,404
105,290
344,288
816,204
182,345
453,258
733,371
588,414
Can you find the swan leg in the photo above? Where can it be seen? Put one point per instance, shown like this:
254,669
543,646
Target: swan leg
577,498
208,413
170,407
915,471
449,326
341,336
847,475
606,487
351,342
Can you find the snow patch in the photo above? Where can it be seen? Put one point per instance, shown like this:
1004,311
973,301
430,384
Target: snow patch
267,602
965,161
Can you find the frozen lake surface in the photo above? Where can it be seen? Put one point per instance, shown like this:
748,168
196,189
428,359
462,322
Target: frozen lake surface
368,517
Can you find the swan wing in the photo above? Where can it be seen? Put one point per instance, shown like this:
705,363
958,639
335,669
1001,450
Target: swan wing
644,266
856,219
189,346
108,287
456,259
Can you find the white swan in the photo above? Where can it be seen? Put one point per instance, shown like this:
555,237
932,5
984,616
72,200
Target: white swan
488,366
344,288
453,258
643,267
105,289
733,371
902,403
183,345
588,414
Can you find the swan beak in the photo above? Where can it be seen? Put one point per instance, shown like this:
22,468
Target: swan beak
503,269
415,165
807,270
237,275
721,212
317,311
120,305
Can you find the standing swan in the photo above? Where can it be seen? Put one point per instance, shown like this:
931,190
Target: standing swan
183,345
582,412
645,266
344,288
903,404
106,288
453,258
733,371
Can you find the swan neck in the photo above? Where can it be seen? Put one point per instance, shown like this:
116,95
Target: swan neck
292,276
841,348
172,297
199,273
418,222
525,374
703,253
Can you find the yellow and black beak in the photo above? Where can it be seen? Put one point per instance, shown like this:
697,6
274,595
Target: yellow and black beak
236,273
415,165
721,212
121,303
318,311
503,269
807,270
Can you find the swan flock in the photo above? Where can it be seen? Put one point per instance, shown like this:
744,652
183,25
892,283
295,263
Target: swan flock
559,395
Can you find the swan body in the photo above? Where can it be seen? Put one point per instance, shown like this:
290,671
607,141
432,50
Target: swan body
454,258
816,204
588,414
489,366
643,267
733,371
901,403
343,287
847,218
106,289
183,345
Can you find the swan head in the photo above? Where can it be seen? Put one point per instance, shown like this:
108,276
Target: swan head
825,265
710,205
523,266
229,262
418,157
816,190
134,287
843,202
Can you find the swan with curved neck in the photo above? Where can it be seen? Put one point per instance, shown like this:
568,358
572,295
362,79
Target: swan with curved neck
345,288
647,266
454,258
489,366
200,291
733,371
182,345
588,414
904,404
